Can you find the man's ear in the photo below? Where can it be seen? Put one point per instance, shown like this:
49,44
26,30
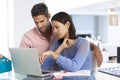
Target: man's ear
49,15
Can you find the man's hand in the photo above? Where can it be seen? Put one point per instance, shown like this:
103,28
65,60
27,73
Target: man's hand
96,54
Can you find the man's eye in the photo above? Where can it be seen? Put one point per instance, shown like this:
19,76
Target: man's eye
41,21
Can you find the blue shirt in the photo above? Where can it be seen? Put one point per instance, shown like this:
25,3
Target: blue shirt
75,58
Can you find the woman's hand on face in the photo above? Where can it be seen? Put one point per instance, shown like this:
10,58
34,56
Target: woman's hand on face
67,43
44,56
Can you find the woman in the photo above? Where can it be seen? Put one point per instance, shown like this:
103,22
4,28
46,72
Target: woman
69,52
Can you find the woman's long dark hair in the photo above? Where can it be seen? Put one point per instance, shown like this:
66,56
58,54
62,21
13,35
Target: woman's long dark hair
63,17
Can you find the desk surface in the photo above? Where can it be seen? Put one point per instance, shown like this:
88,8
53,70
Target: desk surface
98,75
104,76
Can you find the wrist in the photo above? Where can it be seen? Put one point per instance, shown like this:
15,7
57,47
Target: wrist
55,56
61,48
51,52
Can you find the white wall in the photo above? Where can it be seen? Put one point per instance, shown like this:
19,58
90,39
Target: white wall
22,18
109,34
3,27
103,27
84,24
69,5
97,25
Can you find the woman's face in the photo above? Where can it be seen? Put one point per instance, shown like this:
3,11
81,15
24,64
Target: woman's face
62,30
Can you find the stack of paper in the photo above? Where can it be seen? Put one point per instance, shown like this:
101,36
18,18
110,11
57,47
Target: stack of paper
78,73
73,74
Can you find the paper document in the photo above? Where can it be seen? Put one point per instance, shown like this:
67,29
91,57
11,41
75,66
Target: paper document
78,73
75,74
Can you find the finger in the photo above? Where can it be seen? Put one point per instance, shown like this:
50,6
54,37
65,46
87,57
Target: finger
40,59
70,43
43,58
67,43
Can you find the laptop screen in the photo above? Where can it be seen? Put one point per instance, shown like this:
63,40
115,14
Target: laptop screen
26,61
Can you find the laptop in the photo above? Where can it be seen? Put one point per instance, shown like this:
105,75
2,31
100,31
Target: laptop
26,61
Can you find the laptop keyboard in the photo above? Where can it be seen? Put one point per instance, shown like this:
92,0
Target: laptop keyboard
115,71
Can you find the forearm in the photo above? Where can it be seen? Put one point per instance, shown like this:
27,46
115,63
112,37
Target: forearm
73,64
57,52
48,63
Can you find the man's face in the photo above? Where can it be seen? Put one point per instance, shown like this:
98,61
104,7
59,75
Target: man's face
41,22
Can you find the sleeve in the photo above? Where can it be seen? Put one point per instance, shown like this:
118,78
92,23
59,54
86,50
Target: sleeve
53,38
25,42
49,62
54,46
78,60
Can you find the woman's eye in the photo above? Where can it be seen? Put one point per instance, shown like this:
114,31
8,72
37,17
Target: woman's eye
56,27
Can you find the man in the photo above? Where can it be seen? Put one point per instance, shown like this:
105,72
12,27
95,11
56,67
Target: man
41,36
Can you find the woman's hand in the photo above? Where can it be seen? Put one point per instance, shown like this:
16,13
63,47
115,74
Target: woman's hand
67,43
44,56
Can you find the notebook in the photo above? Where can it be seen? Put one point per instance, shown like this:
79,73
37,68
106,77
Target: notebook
26,61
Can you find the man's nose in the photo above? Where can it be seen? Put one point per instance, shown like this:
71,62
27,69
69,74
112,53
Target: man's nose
39,25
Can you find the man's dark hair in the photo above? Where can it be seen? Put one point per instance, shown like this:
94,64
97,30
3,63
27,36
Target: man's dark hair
39,9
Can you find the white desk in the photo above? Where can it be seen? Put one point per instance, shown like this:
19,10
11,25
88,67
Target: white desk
104,76
99,75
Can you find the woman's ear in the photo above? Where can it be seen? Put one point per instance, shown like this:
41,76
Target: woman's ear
67,24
